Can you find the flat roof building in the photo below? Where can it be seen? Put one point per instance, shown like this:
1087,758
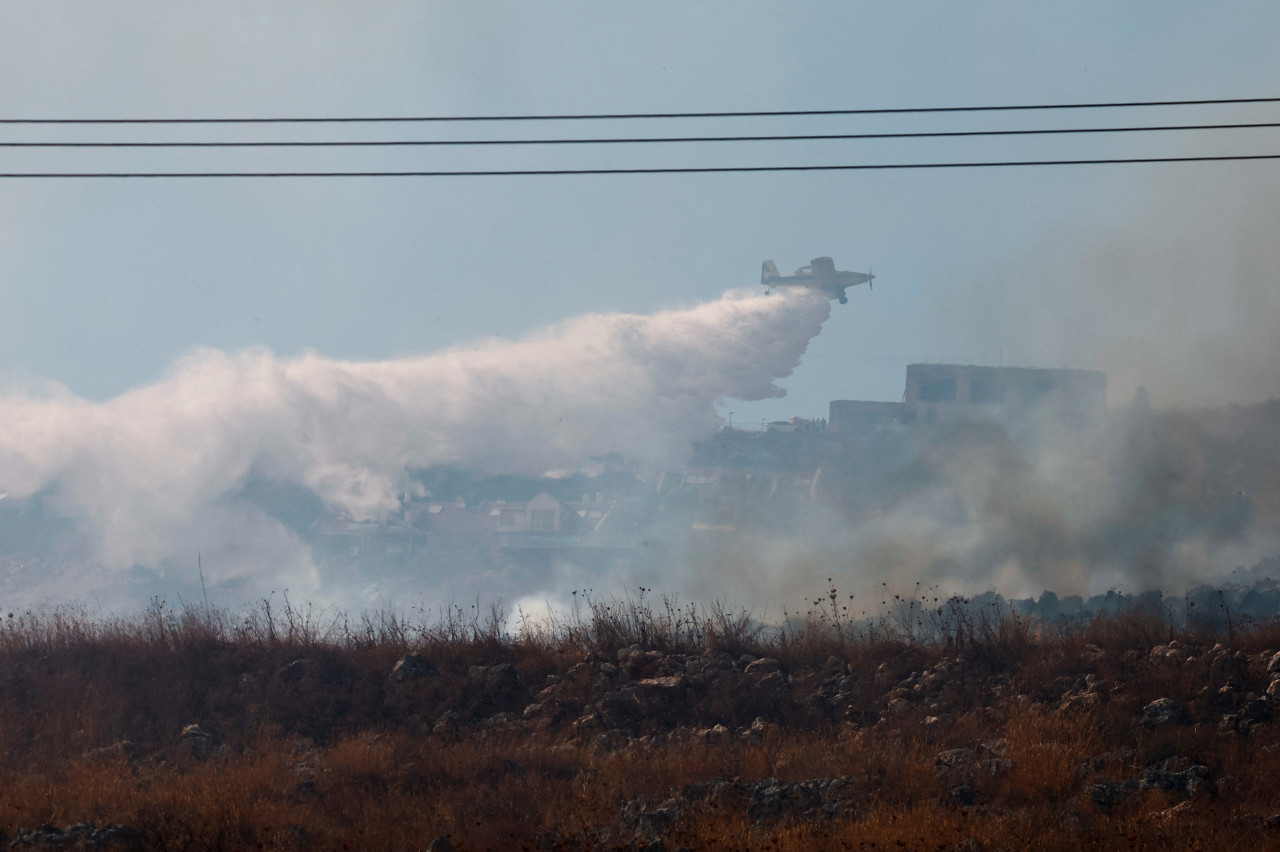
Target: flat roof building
855,415
942,393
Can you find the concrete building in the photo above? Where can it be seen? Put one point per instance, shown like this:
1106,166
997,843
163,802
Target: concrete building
855,415
943,393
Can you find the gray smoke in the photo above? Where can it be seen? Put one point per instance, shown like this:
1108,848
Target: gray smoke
1145,501
1178,295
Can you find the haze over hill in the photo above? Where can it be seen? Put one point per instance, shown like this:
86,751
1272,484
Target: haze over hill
239,458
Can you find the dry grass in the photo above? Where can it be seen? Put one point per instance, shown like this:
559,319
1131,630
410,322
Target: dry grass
311,746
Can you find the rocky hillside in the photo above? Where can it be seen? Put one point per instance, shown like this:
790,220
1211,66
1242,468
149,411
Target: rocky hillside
206,731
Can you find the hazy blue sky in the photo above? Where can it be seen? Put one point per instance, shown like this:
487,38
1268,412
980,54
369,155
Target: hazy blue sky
104,284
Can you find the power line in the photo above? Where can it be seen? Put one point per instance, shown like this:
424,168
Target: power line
641,115
807,137
643,171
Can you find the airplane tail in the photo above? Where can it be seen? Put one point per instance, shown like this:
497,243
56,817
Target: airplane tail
768,272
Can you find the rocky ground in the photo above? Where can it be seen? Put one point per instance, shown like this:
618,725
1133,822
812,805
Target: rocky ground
1124,733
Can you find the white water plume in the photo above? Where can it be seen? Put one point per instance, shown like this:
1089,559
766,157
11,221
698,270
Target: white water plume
155,472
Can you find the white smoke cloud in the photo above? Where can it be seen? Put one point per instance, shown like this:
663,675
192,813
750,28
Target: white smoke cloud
155,472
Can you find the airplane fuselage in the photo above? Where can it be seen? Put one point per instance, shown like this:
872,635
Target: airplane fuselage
820,274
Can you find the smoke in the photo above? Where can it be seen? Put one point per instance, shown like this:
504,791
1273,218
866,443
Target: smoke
1216,342
202,460
1176,292
1175,296
1143,501
157,474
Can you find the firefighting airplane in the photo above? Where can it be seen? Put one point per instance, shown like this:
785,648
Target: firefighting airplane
820,274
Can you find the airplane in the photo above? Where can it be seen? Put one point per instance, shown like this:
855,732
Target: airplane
820,274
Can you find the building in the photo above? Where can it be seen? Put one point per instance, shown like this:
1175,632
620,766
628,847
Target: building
853,415
943,393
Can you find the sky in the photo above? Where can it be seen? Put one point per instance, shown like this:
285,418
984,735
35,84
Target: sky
115,292
103,285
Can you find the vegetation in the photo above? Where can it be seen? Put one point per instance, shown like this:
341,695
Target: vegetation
634,724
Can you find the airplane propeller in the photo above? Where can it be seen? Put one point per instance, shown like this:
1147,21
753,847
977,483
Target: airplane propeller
871,280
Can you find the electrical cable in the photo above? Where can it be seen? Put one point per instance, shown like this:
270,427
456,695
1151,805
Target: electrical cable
638,140
646,171
641,115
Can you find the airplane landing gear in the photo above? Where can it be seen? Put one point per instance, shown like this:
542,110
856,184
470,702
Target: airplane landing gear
844,300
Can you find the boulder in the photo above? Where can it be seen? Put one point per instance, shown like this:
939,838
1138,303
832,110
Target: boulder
1169,656
662,684
123,750
629,654
446,725
80,835
198,742
411,667
1108,794
964,764
1194,779
762,667
498,681
294,671
1258,710
715,735
1163,711
1273,665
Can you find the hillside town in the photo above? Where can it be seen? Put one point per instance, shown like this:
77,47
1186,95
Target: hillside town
1033,430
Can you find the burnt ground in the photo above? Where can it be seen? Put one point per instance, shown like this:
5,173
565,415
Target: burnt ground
1009,733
